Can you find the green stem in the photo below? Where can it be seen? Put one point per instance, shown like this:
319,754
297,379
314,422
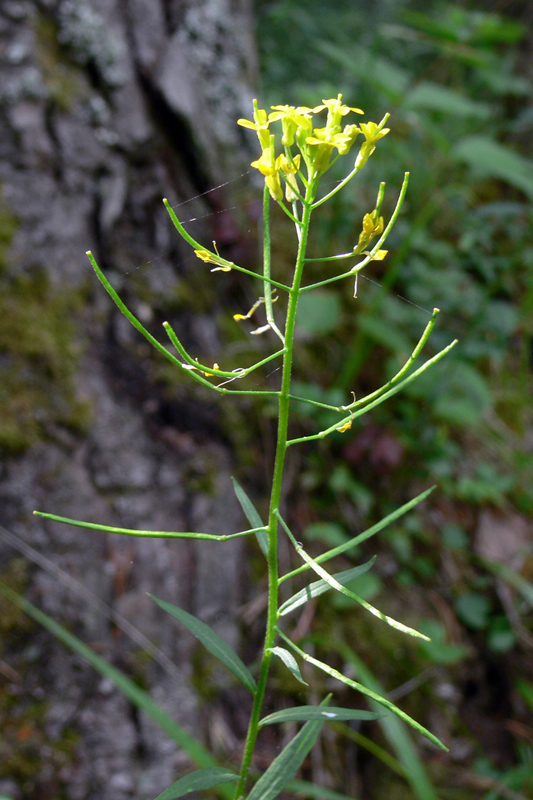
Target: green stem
267,260
275,497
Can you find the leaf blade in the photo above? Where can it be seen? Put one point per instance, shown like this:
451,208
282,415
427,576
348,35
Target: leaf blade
198,781
497,161
286,765
212,642
290,662
304,713
362,537
252,515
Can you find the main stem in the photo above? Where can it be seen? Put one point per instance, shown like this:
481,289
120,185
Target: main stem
275,497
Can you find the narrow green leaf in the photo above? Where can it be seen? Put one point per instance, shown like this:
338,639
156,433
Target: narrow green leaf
252,515
197,782
290,662
212,642
301,713
306,789
129,689
362,537
319,587
343,590
363,689
286,765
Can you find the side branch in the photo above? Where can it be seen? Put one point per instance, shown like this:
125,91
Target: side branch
392,382
226,265
346,421
150,534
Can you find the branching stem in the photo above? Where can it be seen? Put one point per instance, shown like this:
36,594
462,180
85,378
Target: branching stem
275,498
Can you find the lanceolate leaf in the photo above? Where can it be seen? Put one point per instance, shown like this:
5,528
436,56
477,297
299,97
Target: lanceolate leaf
290,662
212,642
198,781
251,513
301,713
286,765
319,587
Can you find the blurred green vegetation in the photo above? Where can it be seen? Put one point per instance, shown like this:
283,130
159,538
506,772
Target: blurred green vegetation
456,79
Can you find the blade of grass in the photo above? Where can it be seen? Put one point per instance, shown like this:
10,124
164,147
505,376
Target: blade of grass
141,699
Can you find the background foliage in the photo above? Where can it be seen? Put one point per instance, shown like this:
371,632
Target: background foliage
455,79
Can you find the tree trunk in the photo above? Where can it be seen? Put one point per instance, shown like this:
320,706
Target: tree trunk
106,108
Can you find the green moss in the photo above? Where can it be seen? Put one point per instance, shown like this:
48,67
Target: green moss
64,80
38,358
38,353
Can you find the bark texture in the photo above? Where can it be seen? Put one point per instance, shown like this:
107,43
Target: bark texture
106,107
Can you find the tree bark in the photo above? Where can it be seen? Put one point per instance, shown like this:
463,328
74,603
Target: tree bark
106,108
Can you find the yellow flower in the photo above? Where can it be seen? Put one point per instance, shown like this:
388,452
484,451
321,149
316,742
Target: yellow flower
325,140
336,110
371,227
260,125
332,135
372,132
214,258
269,166
350,133
292,119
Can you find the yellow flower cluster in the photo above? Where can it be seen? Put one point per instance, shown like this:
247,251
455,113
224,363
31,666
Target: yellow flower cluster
316,144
